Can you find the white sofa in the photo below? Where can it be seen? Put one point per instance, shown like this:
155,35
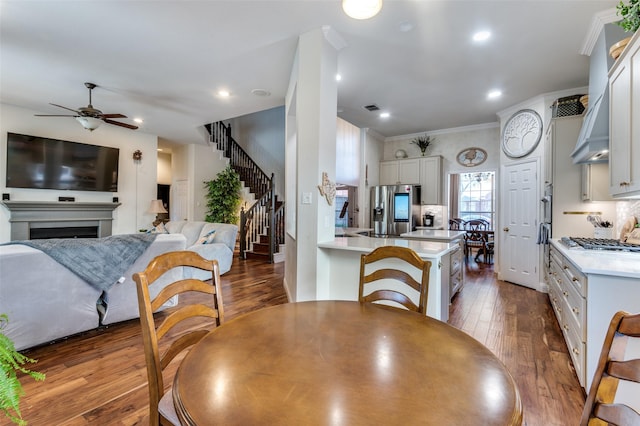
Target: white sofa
45,301
209,240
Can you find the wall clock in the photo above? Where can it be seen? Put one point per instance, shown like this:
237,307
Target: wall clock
471,157
522,133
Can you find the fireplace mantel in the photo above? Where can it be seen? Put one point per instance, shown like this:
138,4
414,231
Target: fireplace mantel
26,215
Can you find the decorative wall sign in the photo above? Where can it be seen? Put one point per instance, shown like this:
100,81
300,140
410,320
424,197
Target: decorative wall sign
522,133
471,157
327,189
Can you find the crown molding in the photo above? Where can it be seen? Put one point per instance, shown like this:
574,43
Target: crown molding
470,128
597,24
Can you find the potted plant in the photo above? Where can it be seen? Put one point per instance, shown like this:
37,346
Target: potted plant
11,362
223,197
630,14
423,143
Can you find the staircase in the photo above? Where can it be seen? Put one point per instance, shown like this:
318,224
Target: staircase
262,225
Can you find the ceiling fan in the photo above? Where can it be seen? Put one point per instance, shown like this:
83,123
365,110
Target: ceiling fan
90,117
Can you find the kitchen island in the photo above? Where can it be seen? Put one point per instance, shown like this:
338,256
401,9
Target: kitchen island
456,269
343,254
586,288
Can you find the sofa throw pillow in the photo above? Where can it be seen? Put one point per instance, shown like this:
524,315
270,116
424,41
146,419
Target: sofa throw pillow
160,229
207,238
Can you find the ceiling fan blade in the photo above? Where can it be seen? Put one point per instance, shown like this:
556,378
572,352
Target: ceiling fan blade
64,107
117,123
54,115
114,116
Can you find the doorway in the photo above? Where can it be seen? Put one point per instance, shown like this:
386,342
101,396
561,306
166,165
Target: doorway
346,206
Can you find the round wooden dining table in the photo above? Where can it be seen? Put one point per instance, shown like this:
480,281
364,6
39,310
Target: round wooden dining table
342,363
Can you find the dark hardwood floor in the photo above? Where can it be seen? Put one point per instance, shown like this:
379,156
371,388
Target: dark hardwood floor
99,378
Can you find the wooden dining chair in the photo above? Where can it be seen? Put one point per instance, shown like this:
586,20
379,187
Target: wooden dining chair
600,408
399,277
184,325
456,224
473,238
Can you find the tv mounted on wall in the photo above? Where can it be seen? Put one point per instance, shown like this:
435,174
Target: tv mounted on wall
43,163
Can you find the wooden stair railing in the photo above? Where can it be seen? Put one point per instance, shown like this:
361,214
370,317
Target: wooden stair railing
266,216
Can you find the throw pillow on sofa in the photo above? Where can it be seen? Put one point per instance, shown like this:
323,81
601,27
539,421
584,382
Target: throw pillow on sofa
207,238
160,229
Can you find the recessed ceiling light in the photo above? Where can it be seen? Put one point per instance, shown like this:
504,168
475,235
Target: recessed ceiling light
338,77
481,36
405,26
224,93
384,115
159,149
494,94
361,9
138,120
261,92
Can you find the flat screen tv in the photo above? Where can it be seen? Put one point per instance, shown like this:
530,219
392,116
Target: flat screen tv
43,163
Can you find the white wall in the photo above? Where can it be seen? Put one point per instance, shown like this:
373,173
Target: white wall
164,168
195,164
372,152
136,181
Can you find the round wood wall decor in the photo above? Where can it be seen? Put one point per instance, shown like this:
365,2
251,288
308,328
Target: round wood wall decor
471,157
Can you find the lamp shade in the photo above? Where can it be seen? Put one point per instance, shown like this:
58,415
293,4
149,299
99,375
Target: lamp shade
89,123
361,9
157,207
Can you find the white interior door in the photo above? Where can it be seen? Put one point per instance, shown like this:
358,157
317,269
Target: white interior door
518,249
180,202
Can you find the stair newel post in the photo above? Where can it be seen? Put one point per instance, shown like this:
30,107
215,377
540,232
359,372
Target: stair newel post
272,210
227,140
243,232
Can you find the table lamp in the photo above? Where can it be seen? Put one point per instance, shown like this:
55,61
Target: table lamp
157,208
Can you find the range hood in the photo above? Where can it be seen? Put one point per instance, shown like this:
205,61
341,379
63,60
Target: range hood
593,140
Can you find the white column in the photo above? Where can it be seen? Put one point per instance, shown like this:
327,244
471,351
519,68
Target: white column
311,125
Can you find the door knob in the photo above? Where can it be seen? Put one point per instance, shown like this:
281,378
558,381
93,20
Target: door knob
505,229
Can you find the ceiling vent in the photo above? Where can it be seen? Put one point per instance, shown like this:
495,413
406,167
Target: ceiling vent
372,107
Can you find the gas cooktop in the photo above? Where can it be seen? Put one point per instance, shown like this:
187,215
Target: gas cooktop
599,244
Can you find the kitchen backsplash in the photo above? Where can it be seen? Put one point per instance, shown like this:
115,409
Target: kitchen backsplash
624,210
438,212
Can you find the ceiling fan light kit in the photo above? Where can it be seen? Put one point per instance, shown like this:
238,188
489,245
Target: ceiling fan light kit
89,117
89,123
361,9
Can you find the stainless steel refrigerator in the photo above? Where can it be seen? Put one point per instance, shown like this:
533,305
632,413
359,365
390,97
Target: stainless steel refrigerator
395,209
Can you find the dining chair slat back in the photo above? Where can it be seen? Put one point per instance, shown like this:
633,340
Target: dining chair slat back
456,224
473,238
403,278
182,327
600,407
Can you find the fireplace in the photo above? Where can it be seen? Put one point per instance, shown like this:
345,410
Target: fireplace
50,219
63,232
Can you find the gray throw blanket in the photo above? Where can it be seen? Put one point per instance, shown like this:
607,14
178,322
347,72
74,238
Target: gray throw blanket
101,262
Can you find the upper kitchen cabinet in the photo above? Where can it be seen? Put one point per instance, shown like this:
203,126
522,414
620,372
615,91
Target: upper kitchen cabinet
425,171
431,180
595,182
624,125
400,172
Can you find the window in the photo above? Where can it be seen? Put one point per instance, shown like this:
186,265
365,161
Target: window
477,196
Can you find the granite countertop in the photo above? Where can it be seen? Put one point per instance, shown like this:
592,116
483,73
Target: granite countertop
424,249
600,262
431,234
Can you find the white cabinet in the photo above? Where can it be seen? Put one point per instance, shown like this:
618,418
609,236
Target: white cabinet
400,172
567,294
624,122
595,182
431,180
425,171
